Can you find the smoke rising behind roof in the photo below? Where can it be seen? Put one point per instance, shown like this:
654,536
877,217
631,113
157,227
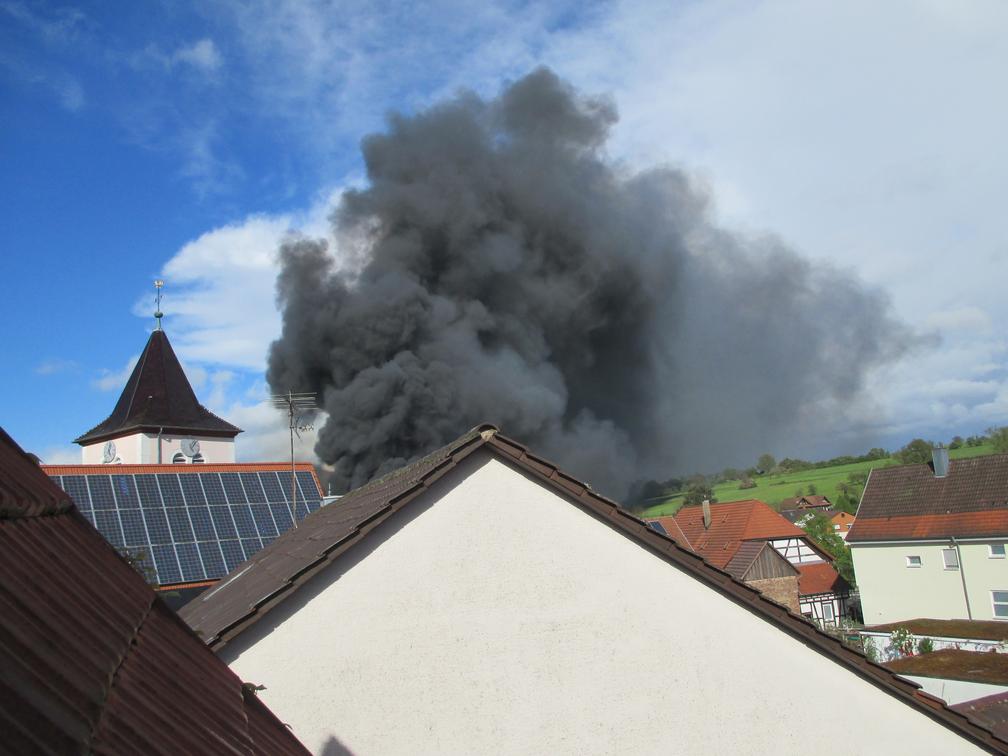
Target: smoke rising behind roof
506,270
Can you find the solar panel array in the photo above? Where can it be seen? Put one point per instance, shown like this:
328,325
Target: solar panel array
191,526
657,527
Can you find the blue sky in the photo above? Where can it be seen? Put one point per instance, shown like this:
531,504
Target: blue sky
183,140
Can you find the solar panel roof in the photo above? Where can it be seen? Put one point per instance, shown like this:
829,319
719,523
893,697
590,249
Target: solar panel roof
658,527
192,524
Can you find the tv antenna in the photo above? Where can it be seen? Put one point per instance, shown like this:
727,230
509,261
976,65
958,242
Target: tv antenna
158,284
296,405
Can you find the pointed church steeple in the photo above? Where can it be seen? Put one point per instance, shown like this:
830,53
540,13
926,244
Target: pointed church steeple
158,399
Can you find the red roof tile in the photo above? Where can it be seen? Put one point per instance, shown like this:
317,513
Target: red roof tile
92,660
909,502
820,577
731,524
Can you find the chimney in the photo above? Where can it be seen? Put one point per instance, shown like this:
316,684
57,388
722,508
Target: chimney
706,514
939,456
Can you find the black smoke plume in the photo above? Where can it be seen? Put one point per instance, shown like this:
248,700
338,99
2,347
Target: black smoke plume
500,267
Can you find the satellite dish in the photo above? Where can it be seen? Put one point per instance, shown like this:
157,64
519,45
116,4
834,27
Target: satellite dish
109,452
190,447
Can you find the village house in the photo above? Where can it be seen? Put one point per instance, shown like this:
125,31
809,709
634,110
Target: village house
929,540
479,600
729,535
93,661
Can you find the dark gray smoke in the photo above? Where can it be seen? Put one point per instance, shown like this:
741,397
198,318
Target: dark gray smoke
507,271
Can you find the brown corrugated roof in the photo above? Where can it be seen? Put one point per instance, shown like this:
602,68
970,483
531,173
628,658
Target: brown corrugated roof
908,502
158,396
990,712
289,563
954,664
92,660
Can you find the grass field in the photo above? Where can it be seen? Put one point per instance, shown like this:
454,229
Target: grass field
773,488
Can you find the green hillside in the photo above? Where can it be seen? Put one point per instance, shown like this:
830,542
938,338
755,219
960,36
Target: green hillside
773,488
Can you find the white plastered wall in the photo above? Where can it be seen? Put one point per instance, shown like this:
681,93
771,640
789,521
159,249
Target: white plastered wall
891,591
493,616
142,448
955,691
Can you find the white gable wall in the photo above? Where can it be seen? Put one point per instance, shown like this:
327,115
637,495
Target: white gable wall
502,618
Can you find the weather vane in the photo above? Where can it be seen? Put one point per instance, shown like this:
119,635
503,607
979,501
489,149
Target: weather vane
158,283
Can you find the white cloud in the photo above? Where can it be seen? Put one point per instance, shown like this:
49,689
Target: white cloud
202,54
60,455
114,380
54,366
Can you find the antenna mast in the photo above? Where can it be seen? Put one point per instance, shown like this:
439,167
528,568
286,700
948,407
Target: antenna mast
158,283
295,404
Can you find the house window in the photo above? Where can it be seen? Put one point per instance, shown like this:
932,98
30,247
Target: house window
996,551
951,559
913,561
827,612
1000,601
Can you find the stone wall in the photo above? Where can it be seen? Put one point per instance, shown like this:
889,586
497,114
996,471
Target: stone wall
783,590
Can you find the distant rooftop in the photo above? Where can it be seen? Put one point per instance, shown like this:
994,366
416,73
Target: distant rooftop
910,503
953,664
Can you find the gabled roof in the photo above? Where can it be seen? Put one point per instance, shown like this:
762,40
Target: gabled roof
811,501
289,563
158,396
748,553
92,660
909,503
732,523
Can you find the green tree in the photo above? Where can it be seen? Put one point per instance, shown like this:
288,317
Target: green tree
999,438
812,490
697,493
916,452
766,462
820,530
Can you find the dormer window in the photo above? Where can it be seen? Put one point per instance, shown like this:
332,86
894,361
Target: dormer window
178,459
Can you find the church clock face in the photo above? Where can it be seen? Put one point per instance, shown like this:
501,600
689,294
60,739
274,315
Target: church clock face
190,447
109,452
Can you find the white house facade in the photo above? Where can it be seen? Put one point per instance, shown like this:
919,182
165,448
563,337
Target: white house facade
498,607
930,541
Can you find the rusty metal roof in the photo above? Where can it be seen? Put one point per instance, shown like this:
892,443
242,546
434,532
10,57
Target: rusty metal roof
92,660
290,562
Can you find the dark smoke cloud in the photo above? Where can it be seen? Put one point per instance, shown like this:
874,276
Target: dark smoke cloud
510,272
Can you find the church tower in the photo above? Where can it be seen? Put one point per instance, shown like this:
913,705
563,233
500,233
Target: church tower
158,419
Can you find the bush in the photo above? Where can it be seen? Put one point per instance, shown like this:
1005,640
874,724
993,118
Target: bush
999,437
747,483
900,643
916,452
925,646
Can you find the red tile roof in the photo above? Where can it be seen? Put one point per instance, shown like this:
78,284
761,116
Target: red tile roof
909,502
672,528
818,578
731,524
288,564
92,660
